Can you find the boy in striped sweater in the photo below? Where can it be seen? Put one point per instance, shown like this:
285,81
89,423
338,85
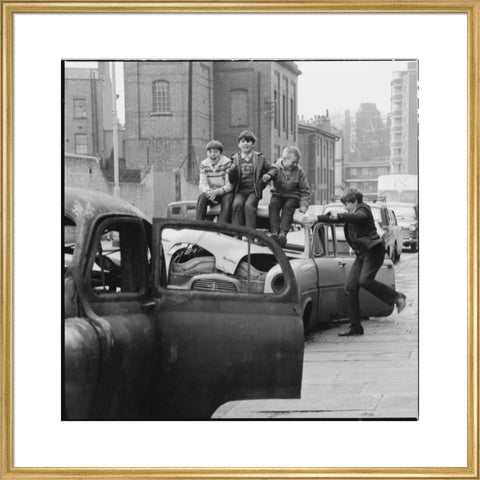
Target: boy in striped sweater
214,185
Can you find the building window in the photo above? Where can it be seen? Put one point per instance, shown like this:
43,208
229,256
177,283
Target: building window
79,108
238,107
161,96
353,171
292,115
284,113
364,171
81,146
275,109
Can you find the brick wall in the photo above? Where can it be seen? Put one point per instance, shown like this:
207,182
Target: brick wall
161,139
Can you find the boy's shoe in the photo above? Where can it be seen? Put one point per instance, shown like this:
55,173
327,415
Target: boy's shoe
353,330
282,240
400,302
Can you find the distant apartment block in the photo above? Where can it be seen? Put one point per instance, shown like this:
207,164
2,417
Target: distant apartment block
404,121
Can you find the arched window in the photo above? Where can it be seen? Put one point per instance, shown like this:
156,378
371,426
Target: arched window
160,96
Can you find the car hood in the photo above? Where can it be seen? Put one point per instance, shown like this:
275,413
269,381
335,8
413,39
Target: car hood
228,251
407,222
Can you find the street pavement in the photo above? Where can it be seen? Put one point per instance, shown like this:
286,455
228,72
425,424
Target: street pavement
374,376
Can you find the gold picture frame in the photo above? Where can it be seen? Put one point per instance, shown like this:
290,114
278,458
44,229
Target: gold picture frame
469,7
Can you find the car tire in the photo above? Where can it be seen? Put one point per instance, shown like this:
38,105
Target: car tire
413,248
396,255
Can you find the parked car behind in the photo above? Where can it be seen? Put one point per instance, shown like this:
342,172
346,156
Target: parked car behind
385,222
182,209
407,216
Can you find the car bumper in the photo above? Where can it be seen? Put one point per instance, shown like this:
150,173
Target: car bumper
409,238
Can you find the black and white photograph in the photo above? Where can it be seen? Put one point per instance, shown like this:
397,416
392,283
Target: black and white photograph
211,260
240,239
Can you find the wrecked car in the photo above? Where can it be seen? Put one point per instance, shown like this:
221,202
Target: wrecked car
153,329
318,255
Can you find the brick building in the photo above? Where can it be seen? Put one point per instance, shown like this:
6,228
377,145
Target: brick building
172,109
88,111
316,140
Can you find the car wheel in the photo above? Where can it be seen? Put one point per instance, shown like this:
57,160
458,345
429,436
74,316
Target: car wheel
413,248
306,318
393,256
396,255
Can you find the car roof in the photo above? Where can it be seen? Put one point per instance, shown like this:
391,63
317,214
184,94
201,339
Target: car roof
262,212
80,203
401,204
182,202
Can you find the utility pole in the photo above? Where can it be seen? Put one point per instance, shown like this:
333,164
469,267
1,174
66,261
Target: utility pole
116,173
189,121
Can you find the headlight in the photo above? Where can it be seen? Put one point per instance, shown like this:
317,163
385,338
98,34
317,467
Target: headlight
278,283
412,227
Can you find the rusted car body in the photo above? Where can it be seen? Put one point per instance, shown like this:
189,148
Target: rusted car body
319,260
137,347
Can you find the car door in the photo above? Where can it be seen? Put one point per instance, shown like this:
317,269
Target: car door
219,336
370,305
110,344
388,234
396,231
331,271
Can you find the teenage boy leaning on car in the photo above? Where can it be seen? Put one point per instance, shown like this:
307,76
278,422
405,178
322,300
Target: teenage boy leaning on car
249,175
369,248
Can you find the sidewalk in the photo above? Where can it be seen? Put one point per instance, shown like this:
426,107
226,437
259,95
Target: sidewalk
366,377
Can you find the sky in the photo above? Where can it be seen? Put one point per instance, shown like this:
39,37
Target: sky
335,86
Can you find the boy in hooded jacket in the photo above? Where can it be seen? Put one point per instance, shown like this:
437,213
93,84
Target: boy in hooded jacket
290,191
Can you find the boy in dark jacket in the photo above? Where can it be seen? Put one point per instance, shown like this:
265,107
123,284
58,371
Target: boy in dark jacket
362,236
249,174
290,191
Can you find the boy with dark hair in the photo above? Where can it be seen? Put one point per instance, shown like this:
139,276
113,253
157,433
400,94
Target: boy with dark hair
214,185
290,191
250,173
369,248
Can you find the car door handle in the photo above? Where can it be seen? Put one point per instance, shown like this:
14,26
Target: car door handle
342,264
148,306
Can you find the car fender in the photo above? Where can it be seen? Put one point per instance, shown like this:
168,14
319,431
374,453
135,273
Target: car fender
81,367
